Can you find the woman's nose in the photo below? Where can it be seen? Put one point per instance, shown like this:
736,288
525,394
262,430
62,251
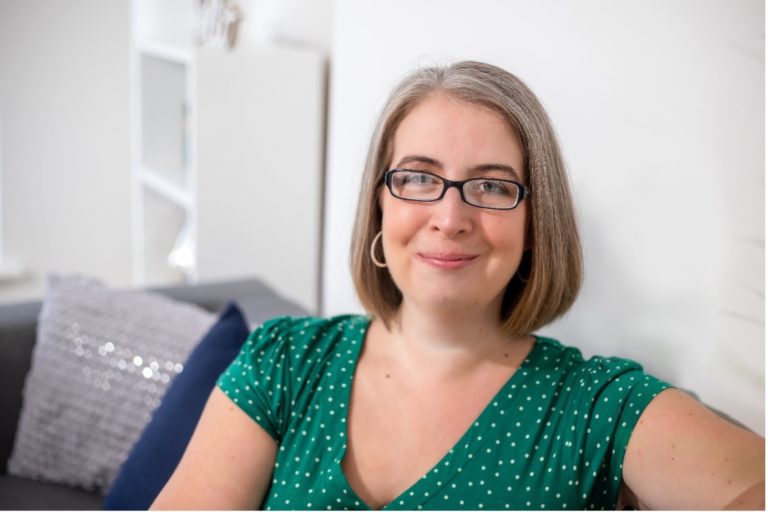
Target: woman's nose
451,215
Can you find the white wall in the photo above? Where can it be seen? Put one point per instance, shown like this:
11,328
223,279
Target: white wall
64,104
306,23
659,106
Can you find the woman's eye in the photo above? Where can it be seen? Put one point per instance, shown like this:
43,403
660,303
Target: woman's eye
418,179
492,187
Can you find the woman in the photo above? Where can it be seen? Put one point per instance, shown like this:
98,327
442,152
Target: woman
465,243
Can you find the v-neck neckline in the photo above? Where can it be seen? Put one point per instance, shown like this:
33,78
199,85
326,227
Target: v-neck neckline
408,498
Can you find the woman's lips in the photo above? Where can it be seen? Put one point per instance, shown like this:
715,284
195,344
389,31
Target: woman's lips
447,260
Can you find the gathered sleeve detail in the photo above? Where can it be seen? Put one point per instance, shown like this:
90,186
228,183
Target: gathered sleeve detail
617,393
258,380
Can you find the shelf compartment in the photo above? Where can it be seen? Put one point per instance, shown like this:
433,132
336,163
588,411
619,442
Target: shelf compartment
163,221
165,117
162,186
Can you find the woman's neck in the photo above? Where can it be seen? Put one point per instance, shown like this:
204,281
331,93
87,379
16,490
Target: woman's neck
449,344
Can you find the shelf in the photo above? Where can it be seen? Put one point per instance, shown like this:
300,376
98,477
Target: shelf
166,188
158,50
10,272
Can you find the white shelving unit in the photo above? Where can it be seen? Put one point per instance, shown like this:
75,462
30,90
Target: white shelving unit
216,135
164,168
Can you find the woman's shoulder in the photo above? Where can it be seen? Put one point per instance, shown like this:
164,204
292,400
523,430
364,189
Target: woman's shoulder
555,355
593,373
297,335
279,364
301,327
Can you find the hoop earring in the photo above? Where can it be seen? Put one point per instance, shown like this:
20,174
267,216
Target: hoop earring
376,262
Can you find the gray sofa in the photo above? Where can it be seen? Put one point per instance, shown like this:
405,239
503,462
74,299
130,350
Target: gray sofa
17,339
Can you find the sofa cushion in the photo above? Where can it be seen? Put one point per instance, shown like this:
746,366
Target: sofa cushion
102,362
161,445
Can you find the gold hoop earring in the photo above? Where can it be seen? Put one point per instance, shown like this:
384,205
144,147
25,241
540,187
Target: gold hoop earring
376,262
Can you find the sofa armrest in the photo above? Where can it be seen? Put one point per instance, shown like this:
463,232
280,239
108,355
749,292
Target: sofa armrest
18,323
258,301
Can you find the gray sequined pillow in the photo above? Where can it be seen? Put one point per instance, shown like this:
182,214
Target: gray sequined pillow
102,363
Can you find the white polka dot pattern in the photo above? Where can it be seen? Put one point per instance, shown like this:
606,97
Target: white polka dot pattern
553,437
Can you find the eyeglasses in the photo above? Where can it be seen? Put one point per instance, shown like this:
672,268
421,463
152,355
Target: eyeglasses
491,193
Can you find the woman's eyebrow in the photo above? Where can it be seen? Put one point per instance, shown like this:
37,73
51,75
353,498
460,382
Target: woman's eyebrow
409,159
497,167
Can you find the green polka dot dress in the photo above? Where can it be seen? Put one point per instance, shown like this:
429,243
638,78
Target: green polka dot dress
552,438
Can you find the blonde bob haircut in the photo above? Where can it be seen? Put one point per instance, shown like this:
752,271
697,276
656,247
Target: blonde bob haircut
550,272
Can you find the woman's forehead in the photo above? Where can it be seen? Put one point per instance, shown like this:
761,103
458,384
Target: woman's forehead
443,131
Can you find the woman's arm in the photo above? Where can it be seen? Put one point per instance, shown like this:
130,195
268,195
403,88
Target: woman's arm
681,455
227,464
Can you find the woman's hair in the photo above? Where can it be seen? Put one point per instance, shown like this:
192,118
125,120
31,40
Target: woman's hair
553,262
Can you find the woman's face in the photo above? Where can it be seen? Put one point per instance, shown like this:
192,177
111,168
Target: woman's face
449,254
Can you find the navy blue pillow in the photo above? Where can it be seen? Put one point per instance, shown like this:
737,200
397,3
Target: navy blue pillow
161,445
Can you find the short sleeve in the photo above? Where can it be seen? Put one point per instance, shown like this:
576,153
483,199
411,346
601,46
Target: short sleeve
258,379
621,391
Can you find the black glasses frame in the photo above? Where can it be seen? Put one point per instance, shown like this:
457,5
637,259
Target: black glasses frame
522,190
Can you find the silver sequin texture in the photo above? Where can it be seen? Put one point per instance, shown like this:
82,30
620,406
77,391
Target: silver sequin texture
102,362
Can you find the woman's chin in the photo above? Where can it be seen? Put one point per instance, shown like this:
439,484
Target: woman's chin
454,303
